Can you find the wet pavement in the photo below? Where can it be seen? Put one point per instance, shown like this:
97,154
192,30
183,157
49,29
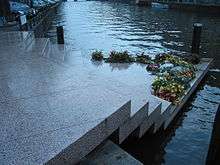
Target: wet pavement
52,103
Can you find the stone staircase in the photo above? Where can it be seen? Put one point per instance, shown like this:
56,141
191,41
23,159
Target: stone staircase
144,112
89,104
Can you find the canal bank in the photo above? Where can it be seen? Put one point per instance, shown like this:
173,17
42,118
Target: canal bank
48,108
199,111
121,26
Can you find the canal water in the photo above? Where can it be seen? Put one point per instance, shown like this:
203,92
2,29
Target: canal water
91,25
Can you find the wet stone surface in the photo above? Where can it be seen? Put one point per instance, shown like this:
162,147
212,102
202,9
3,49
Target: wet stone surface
50,102
58,107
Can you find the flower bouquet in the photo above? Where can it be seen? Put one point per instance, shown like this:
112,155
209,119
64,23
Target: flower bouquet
120,57
168,90
144,59
173,76
97,55
154,68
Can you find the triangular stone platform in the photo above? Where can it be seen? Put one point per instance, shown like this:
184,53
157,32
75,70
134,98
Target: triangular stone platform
56,105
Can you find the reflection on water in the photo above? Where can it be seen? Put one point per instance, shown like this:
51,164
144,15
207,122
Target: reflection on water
214,146
120,26
192,138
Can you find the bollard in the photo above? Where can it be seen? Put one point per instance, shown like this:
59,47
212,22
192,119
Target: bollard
26,27
30,24
60,35
196,38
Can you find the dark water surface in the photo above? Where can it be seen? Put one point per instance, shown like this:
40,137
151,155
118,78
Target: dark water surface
121,26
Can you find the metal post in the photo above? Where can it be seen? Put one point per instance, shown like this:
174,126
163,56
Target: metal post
196,38
30,23
26,27
60,35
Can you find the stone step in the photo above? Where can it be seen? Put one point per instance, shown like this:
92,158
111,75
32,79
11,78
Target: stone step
66,132
165,113
64,120
68,105
133,123
93,138
139,103
109,154
151,119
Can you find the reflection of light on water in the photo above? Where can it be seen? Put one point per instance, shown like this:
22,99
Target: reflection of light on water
214,70
159,6
172,32
210,95
172,43
191,140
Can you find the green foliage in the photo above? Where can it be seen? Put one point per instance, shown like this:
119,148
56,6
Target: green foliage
174,75
144,59
159,58
97,55
169,90
119,57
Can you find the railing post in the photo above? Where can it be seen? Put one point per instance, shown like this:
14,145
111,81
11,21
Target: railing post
60,35
196,39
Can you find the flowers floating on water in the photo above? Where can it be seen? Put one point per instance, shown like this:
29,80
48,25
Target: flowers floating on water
97,55
121,57
173,77
174,73
153,67
168,90
144,59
